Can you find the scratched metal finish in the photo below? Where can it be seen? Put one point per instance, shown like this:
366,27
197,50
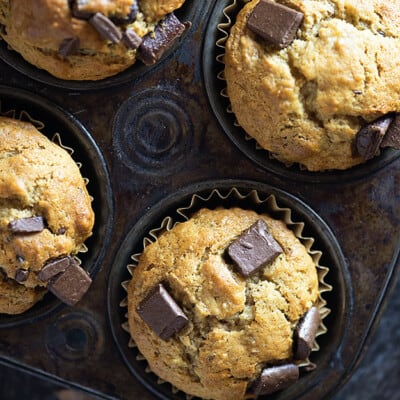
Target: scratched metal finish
157,136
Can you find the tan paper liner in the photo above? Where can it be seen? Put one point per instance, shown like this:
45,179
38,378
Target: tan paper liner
271,207
223,28
23,115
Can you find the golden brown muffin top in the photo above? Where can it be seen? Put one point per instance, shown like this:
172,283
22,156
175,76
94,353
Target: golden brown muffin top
236,325
305,103
39,179
38,29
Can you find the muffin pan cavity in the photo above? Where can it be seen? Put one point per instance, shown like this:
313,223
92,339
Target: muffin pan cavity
222,18
234,194
72,135
15,60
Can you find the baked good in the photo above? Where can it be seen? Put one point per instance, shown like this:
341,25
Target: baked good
213,325
306,84
45,217
88,40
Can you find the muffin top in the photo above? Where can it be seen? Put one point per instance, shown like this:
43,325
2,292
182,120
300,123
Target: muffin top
306,102
236,324
62,37
45,209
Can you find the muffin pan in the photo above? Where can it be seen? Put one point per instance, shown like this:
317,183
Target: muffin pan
149,138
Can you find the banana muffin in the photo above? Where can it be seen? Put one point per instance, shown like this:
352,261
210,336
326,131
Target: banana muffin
311,81
89,40
224,304
45,217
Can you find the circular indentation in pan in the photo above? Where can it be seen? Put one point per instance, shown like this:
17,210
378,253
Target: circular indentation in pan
213,67
186,13
339,300
74,135
153,131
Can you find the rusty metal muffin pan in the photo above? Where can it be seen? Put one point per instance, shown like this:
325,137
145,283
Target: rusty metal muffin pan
147,139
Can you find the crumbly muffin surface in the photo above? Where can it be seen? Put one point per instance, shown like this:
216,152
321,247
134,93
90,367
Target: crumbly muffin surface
37,179
306,103
36,28
236,325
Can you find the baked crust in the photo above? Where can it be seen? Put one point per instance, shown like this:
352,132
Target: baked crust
38,179
306,103
236,325
36,28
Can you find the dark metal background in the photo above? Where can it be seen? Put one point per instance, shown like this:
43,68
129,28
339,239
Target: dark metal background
160,136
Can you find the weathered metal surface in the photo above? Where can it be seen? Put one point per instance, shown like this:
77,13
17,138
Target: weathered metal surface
147,140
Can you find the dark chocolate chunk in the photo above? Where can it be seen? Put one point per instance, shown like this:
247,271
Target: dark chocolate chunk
155,43
275,22
69,46
126,19
70,286
61,231
369,137
133,12
160,311
27,225
54,267
305,333
106,28
131,39
275,378
79,9
21,275
254,248
392,137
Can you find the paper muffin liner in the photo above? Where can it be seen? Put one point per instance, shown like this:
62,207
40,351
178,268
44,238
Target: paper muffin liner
224,27
23,115
214,199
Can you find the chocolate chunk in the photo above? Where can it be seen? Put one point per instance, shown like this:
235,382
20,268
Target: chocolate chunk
70,286
305,333
160,311
155,43
275,378
54,267
69,46
275,22
254,248
392,137
369,137
119,19
106,28
21,275
133,12
131,39
27,225
81,9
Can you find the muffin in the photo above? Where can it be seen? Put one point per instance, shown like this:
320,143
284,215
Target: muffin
45,217
315,82
89,40
220,305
